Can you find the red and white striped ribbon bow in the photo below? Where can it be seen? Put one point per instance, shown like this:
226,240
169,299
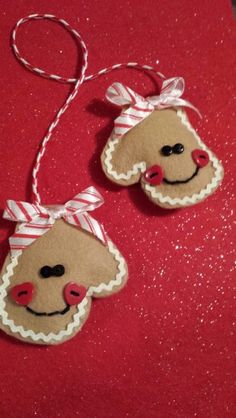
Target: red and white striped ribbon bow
140,107
37,220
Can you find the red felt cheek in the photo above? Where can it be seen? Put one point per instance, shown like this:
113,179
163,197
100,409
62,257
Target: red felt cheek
154,175
200,157
22,294
74,293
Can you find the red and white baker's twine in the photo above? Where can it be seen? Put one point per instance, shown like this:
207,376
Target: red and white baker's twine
61,79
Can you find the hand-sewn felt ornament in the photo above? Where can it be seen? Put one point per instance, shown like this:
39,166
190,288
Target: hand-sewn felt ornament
60,259
154,143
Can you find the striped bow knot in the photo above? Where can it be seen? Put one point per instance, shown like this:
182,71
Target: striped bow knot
37,220
139,107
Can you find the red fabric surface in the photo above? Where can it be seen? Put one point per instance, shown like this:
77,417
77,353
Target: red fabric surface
164,347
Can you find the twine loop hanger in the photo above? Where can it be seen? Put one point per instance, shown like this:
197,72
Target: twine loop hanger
76,82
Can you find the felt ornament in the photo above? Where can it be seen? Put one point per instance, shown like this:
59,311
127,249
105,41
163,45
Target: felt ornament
60,257
154,143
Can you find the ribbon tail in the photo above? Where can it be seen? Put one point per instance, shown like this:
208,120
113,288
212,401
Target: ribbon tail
186,103
121,95
27,233
89,224
132,117
179,102
89,199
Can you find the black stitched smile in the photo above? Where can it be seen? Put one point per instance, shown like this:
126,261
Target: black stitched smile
62,312
182,181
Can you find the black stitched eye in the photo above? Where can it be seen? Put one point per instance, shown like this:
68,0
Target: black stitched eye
166,150
178,148
58,270
46,272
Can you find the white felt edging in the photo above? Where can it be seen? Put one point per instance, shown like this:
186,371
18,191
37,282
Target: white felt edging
81,311
141,167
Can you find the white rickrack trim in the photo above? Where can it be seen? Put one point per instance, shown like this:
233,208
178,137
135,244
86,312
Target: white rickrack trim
137,168
81,307
117,281
76,81
141,167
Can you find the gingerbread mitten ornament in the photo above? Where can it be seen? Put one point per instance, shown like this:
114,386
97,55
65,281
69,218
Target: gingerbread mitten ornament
60,256
154,143
60,259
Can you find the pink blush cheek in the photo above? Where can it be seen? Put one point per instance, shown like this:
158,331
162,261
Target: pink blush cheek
200,157
154,175
23,293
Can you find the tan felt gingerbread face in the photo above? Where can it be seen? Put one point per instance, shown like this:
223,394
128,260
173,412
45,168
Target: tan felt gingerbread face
164,154
46,291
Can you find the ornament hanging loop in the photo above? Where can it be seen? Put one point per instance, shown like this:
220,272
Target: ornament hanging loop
76,82
71,97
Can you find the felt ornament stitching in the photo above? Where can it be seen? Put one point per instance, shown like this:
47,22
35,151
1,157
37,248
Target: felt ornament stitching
154,143
60,255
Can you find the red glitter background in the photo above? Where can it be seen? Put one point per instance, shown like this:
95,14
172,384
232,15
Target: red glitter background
164,347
